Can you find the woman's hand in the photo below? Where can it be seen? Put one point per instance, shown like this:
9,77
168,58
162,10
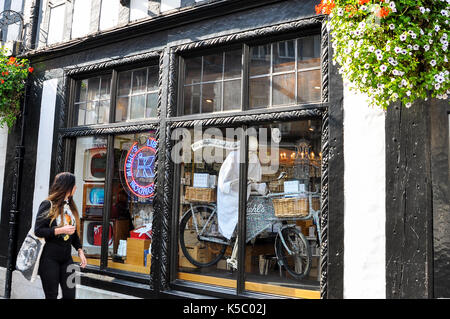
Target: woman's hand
69,230
83,261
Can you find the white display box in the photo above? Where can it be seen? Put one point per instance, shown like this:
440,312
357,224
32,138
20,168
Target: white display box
201,180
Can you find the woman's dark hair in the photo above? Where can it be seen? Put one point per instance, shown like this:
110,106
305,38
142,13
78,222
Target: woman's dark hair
62,184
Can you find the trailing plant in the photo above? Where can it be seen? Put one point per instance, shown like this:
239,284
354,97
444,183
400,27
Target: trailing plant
13,74
391,50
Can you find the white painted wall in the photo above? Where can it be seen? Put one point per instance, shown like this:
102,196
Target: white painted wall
3,144
56,25
138,9
109,14
167,5
81,18
44,146
364,195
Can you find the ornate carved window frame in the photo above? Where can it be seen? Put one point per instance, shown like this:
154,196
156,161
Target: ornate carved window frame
169,222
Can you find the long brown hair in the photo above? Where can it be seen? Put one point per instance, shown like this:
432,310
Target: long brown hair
62,184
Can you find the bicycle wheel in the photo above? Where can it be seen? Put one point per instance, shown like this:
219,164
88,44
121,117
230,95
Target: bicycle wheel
298,263
199,221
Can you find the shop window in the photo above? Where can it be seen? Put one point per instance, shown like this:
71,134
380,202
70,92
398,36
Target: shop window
208,203
285,73
131,203
283,206
137,93
92,100
212,83
90,172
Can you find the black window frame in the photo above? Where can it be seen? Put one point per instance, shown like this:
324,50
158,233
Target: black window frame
244,118
69,132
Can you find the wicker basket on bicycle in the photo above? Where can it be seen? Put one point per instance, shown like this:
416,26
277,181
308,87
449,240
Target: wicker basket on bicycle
197,194
291,207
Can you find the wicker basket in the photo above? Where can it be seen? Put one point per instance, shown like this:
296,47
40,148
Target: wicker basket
291,207
196,194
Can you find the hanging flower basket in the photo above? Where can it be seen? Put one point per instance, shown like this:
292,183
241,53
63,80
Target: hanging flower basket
391,50
13,74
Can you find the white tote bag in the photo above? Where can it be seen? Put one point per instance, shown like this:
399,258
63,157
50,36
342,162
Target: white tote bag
29,256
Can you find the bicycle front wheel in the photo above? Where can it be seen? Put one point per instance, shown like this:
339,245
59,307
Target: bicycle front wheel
294,252
201,220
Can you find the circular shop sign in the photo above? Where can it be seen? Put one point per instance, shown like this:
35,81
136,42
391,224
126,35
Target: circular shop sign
139,168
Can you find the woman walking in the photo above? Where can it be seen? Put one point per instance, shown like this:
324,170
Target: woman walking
57,221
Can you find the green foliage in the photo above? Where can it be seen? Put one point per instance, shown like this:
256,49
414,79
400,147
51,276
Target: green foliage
392,50
13,74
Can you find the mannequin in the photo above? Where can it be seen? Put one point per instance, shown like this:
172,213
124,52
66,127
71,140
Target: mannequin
228,186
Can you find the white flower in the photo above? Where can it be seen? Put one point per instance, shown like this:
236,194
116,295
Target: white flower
392,26
395,72
362,25
371,48
383,68
378,52
408,93
416,47
366,66
422,10
408,105
437,86
437,28
380,57
404,51
433,62
403,37
444,13
404,82
388,48
363,8
392,4
340,12
426,47
398,49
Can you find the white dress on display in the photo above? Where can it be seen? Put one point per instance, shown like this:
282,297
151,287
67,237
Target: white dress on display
228,190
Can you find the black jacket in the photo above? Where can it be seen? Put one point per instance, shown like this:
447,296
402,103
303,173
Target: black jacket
42,228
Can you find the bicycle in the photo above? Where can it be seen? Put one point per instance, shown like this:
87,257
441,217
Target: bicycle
292,249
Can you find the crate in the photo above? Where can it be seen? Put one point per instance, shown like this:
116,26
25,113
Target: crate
291,207
204,195
135,251
198,253
315,203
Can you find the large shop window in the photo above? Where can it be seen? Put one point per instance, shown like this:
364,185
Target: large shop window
279,74
130,207
282,215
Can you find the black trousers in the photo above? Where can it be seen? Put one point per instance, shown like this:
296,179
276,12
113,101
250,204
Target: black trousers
55,269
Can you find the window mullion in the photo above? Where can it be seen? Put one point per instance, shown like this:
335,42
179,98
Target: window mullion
245,78
113,97
271,76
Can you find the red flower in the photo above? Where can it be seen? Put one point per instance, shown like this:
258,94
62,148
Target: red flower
11,60
382,13
325,7
3,81
363,1
31,69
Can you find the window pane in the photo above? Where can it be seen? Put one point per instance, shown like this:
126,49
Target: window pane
80,94
152,105
309,86
193,69
269,266
209,186
56,24
91,113
105,89
81,18
211,97
283,89
139,81
309,52
93,89
259,92
260,60
153,78
232,95
191,99
137,107
103,112
133,189
212,67
122,109
233,64
124,85
90,172
284,56
81,113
